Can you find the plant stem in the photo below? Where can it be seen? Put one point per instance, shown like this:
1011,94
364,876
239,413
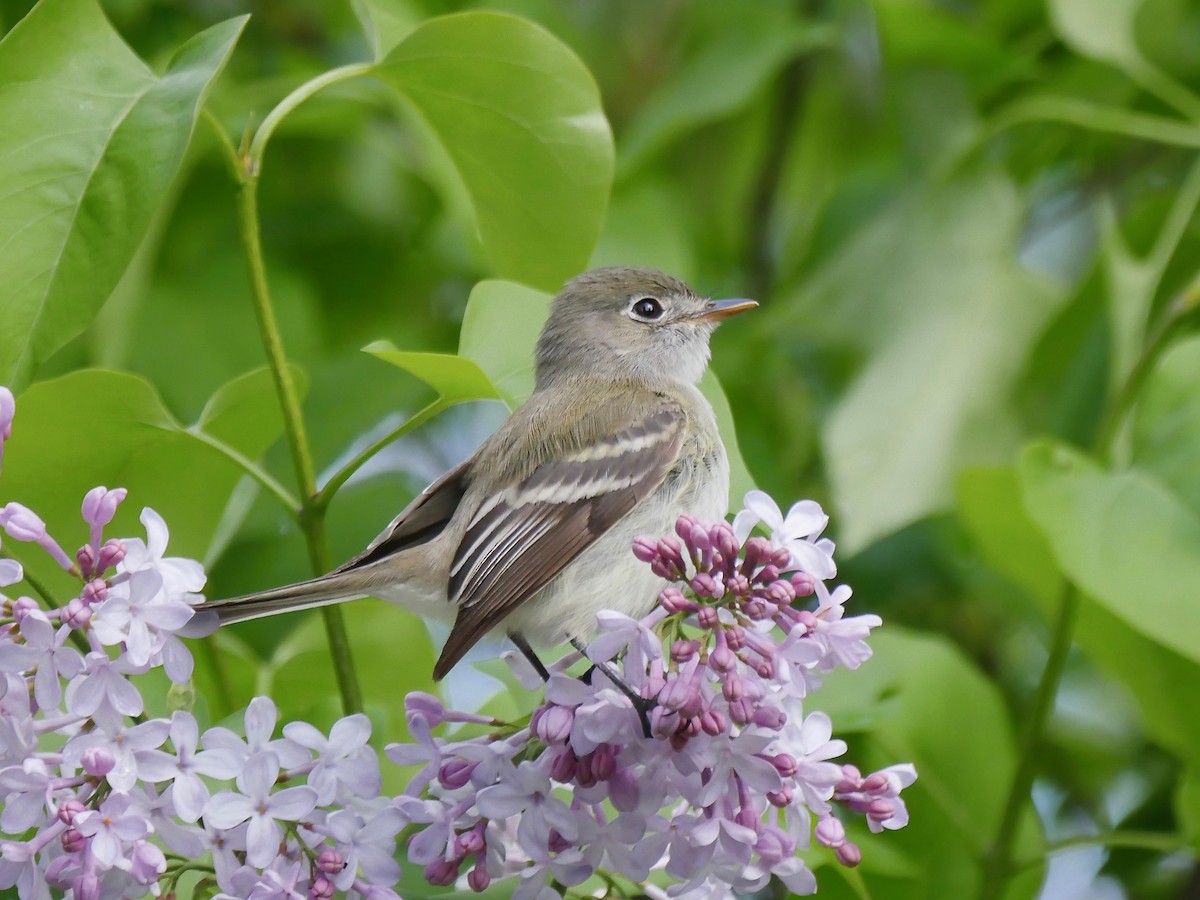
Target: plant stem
998,863
258,146
310,515
251,468
342,475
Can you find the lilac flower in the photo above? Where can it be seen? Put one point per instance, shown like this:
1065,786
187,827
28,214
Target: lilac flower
260,718
23,524
8,409
723,791
123,743
260,806
797,531
343,760
139,614
184,767
111,827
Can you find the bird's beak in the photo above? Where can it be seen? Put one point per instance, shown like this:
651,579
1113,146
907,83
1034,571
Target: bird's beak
716,310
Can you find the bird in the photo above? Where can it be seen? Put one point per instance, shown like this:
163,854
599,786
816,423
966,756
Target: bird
532,535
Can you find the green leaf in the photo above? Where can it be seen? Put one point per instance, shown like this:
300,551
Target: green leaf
386,22
95,427
945,315
500,330
455,378
1131,283
965,761
1187,804
720,78
1101,29
1121,537
91,142
520,116
1167,421
993,510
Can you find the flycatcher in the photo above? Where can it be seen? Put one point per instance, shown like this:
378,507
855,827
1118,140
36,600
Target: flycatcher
531,536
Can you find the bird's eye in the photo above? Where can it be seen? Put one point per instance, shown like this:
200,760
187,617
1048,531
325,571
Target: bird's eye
647,308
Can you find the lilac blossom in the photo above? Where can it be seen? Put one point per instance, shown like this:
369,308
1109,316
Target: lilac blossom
717,776
723,790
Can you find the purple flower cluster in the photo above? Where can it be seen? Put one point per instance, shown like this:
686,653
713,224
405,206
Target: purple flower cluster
710,784
733,778
110,803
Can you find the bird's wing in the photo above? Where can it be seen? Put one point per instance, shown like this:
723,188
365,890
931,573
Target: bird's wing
422,520
523,536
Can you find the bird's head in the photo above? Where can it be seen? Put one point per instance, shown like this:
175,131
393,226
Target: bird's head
630,323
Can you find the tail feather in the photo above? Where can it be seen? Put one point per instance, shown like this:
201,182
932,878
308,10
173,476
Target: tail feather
323,591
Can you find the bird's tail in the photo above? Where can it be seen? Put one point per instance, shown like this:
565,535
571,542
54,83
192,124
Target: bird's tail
333,588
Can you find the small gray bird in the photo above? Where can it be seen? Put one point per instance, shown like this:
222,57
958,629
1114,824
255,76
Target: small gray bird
531,535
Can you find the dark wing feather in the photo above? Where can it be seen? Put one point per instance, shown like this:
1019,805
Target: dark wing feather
422,520
524,536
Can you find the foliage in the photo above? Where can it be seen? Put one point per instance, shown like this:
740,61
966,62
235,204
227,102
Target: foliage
971,227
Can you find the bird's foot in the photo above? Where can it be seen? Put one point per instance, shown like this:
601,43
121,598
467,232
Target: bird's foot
641,705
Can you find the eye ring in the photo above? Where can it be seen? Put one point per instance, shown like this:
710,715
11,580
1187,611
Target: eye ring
646,308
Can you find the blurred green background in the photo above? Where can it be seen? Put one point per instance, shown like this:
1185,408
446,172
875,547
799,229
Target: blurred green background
963,220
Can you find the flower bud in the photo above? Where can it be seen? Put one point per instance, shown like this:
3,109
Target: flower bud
469,842
94,591
604,762
784,763
881,809
780,592
770,717
849,855
97,761
766,574
738,585
831,832
707,617
782,797
77,613
147,862
735,637
713,722
741,710
732,688
68,810
455,772
441,872
321,889
684,525
330,861
705,585
23,606
851,780
111,554
73,841
682,651
802,584
564,766
645,548
875,783
85,557
478,878
672,600
722,659
553,726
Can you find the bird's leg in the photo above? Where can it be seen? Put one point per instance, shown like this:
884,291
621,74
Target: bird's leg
528,653
640,703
